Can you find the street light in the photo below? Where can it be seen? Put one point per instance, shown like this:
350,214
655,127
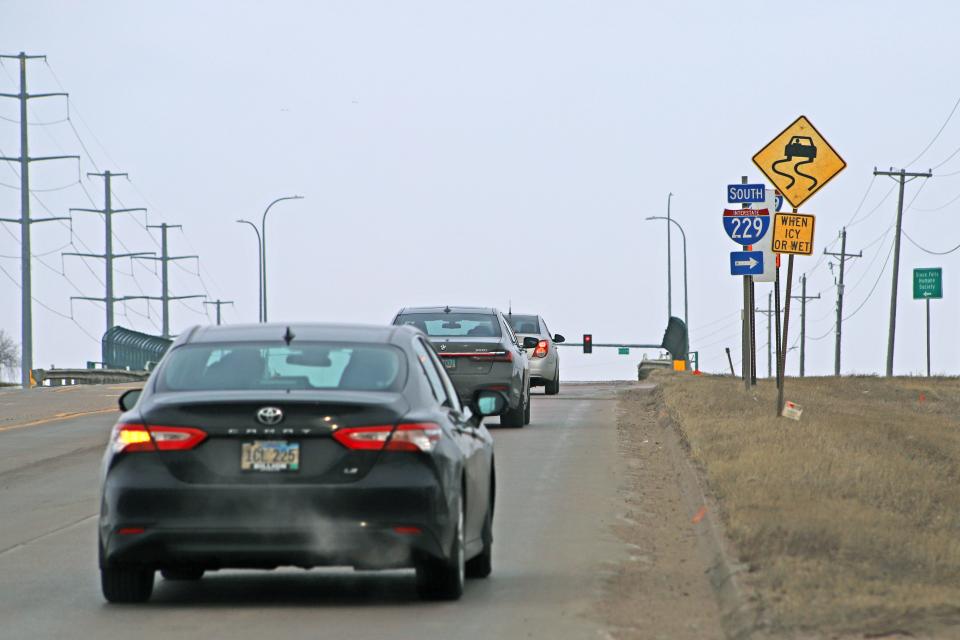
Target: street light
263,242
685,308
259,267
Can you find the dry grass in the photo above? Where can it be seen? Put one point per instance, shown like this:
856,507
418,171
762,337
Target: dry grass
850,518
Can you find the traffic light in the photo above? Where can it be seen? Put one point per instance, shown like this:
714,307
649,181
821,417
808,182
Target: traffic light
588,343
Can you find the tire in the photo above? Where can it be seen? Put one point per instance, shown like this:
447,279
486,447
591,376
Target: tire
526,411
182,573
516,418
126,585
552,387
482,565
441,579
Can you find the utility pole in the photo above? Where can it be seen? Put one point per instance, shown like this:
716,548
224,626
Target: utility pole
218,303
108,256
26,282
164,259
843,255
769,313
803,297
901,177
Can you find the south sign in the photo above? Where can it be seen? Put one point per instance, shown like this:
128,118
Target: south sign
746,226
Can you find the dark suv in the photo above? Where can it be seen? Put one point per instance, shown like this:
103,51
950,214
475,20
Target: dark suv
479,351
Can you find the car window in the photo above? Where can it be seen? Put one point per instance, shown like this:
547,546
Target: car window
309,365
436,384
481,325
524,324
447,383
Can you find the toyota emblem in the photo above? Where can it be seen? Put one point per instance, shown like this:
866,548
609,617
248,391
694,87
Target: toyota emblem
270,415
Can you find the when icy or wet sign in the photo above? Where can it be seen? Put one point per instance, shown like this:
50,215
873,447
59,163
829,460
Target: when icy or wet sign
799,161
793,233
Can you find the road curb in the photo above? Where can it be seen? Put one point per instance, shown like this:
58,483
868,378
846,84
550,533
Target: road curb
741,616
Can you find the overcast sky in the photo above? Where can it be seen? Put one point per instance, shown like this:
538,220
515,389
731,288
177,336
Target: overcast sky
478,153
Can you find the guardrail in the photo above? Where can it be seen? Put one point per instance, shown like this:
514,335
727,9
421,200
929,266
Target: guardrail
68,377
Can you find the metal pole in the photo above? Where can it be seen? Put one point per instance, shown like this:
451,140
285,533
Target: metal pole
836,347
263,252
896,275
686,308
745,338
108,246
26,283
769,337
786,325
776,317
803,323
164,284
669,262
928,337
259,269
753,335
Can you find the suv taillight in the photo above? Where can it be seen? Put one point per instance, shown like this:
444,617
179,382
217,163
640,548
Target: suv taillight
542,348
129,438
407,437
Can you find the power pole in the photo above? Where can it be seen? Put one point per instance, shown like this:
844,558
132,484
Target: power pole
803,297
843,255
164,259
26,282
108,256
769,313
901,177
219,303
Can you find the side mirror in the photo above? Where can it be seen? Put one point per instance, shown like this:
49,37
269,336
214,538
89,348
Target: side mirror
129,399
488,403
530,342
558,338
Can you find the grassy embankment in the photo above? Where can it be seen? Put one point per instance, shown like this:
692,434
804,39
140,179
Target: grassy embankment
849,518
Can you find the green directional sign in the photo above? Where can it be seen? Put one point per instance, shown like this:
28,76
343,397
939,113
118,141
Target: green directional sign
927,283
623,351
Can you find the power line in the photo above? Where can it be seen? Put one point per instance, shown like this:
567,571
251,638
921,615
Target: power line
933,253
939,131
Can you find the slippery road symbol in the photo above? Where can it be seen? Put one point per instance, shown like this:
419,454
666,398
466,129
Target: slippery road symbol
800,147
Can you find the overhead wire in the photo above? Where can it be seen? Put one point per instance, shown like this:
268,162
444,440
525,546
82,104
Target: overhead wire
939,131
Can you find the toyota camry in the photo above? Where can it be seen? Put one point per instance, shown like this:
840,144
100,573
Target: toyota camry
305,445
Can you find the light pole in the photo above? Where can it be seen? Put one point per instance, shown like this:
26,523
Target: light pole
259,268
669,264
263,252
684,235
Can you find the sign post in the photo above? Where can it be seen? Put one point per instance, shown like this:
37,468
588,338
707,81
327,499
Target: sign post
928,285
799,162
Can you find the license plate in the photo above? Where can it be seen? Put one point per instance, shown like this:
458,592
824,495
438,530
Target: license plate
270,455
449,363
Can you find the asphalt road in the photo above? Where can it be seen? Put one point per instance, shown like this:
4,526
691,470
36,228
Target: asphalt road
557,498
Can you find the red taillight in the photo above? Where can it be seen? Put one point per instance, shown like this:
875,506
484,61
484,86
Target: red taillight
542,348
406,437
408,531
130,531
129,438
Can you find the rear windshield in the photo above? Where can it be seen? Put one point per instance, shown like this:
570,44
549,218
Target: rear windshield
524,324
250,367
474,325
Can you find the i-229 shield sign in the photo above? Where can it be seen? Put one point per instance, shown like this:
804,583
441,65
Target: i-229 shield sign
746,226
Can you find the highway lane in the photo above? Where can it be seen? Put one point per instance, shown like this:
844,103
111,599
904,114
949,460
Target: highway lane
557,499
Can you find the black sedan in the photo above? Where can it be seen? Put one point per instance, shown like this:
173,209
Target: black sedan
306,445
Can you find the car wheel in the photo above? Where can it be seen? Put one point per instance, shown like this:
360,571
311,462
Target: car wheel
126,585
526,411
482,565
516,417
442,579
181,573
552,387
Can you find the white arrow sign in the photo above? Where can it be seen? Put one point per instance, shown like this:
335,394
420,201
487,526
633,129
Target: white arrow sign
746,263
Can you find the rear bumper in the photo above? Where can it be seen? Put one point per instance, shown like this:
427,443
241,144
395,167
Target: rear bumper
467,385
270,525
542,369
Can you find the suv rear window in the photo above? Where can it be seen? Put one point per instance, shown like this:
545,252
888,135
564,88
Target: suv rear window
524,324
468,325
250,367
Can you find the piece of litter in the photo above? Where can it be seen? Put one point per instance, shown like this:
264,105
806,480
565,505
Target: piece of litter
791,410
698,516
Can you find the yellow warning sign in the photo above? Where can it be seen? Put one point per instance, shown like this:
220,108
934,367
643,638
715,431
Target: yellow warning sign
793,233
799,161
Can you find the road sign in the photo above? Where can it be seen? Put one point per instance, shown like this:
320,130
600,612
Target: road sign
623,351
799,161
744,193
779,204
793,233
746,263
770,259
928,284
746,226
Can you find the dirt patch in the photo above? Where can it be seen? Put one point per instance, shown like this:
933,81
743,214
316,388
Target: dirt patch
848,519
662,589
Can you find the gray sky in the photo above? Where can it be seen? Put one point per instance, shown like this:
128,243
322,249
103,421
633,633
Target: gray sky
476,153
